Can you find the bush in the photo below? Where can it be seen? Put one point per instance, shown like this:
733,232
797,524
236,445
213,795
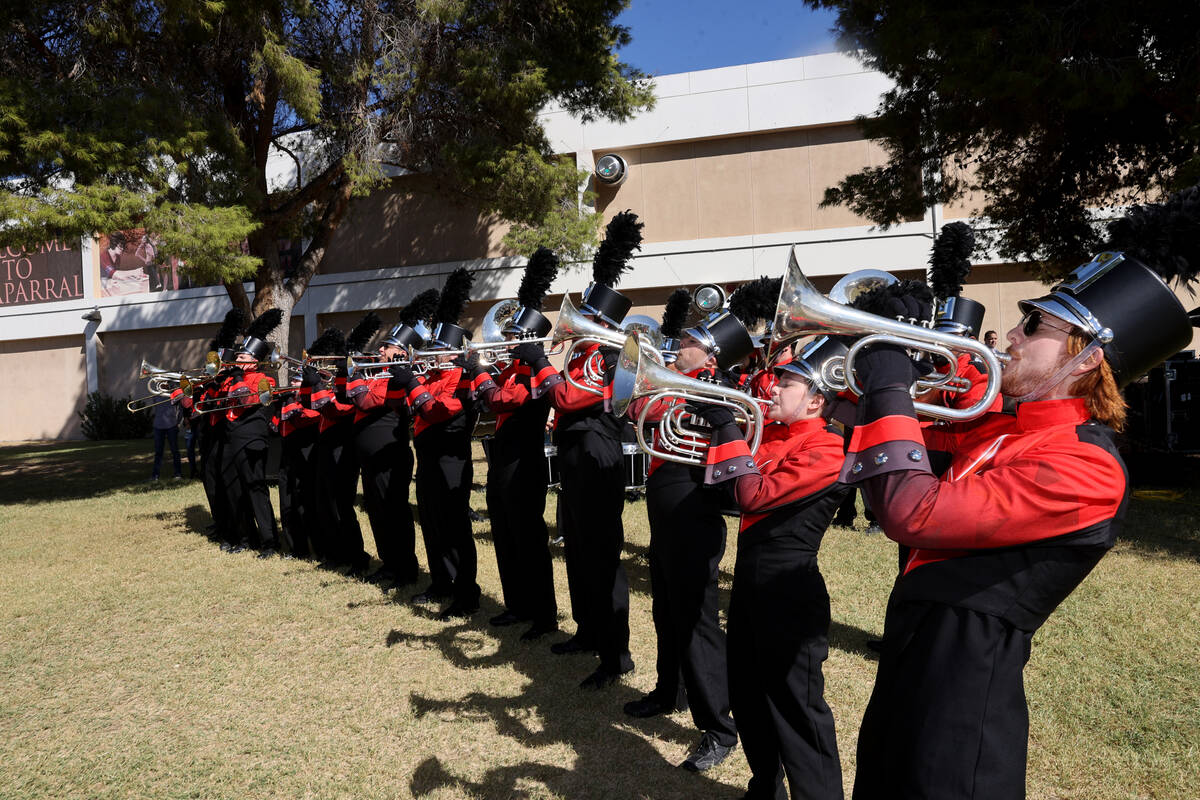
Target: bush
107,417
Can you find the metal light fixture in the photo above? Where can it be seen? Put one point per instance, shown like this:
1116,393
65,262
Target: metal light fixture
708,297
611,169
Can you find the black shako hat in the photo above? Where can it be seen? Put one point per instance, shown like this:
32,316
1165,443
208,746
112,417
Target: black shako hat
622,236
1126,307
724,336
529,322
256,343
959,315
813,364
412,330
403,336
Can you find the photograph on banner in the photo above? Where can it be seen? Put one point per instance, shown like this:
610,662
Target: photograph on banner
132,262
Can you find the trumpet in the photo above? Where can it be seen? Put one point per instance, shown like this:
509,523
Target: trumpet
802,310
683,438
378,370
277,357
494,352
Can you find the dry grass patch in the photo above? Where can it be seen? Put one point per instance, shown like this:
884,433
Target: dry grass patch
140,661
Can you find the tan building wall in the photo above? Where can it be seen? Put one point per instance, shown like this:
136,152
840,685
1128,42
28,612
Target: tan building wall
741,185
409,223
43,404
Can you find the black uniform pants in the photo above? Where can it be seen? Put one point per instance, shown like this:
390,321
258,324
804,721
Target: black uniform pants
386,462
443,504
516,501
245,477
778,640
592,499
339,537
297,491
947,717
687,541
212,450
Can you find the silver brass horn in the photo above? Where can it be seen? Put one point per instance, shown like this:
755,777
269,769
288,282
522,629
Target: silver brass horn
576,329
682,438
802,310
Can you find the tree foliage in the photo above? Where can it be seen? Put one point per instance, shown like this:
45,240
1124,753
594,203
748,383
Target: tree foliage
1056,111
163,115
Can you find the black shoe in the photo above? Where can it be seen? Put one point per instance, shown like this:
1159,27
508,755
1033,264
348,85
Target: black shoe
240,547
538,630
602,677
406,579
707,754
874,528
875,644
266,552
504,619
572,645
651,705
226,547
428,596
844,522
458,611
383,578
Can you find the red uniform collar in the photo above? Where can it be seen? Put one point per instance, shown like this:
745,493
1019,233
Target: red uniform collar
803,426
1043,413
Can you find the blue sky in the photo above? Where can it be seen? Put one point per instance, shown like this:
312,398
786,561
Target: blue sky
672,36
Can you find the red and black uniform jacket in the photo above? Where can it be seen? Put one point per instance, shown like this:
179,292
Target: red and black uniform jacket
653,417
444,413
788,491
380,413
579,411
332,404
295,414
1026,508
247,420
520,415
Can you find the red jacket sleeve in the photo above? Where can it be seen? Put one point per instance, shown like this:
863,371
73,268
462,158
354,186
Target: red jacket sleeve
566,397
443,402
804,465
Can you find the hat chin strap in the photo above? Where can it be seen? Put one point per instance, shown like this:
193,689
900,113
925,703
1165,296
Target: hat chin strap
1066,369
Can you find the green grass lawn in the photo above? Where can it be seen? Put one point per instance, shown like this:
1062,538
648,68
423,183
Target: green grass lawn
138,660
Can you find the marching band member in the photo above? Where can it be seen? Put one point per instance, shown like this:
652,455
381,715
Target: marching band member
210,428
244,458
297,427
339,536
592,495
446,416
384,452
687,542
1029,504
517,473
779,608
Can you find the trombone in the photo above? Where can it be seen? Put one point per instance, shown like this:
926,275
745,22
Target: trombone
681,437
230,401
159,393
802,310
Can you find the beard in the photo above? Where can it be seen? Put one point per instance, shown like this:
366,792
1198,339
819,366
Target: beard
1023,376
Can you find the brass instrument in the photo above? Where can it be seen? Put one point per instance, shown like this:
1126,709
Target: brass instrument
159,394
683,438
802,310
277,357
575,329
226,402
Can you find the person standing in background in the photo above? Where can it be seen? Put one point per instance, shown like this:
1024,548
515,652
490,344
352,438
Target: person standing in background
166,430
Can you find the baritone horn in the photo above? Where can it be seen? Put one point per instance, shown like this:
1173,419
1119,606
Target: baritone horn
802,310
576,329
682,438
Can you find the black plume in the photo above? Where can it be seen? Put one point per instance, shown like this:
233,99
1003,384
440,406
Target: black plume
330,343
874,300
1164,236
675,314
539,274
950,262
235,320
420,308
755,302
454,297
264,323
622,236
362,333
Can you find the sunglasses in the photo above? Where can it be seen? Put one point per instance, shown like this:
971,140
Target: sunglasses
1034,320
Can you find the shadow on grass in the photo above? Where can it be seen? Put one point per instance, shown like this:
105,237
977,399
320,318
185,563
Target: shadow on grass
48,472
1161,521
610,755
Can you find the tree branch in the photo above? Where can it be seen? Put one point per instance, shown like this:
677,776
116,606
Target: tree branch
309,193
331,219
